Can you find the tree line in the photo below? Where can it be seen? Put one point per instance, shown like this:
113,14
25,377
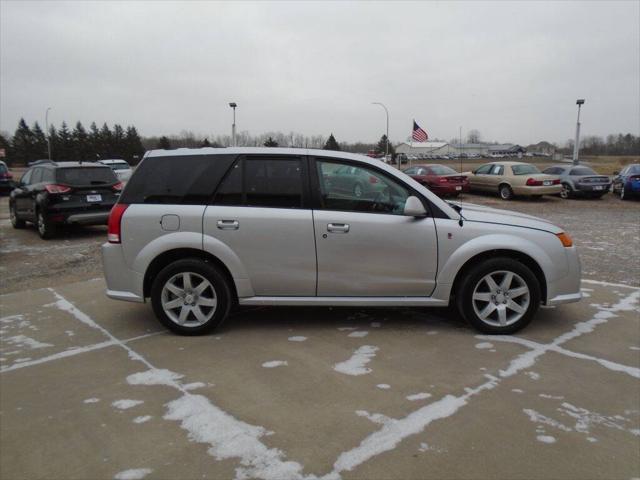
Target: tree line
76,144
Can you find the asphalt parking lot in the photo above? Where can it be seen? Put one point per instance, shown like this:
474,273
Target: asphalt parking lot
93,388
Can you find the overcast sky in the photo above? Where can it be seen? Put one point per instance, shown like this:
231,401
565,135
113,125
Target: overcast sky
512,70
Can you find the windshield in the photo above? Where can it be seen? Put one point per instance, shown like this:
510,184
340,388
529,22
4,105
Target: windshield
634,170
524,169
86,176
3,168
441,170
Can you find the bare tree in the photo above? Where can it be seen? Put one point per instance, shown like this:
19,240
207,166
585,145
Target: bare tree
474,136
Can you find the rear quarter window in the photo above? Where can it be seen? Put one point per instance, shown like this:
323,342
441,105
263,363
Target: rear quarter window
187,180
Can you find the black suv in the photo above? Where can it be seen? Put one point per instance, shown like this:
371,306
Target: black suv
51,194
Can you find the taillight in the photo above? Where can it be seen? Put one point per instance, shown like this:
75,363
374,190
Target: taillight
53,188
118,187
532,182
556,181
373,179
115,221
5,175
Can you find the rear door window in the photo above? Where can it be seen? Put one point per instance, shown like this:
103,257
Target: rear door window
84,176
497,170
37,176
26,178
47,175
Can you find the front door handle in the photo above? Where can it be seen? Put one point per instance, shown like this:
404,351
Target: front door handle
338,228
228,224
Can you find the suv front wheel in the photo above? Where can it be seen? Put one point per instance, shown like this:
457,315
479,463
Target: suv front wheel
190,297
499,296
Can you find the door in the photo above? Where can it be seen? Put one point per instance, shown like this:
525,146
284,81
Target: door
479,180
261,213
365,245
495,177
25,197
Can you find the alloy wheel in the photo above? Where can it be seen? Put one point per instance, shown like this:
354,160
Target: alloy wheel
189,299
501,298
565,193
42,226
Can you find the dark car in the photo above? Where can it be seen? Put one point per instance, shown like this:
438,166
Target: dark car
6,179
440,179
627,182
580,180
52,194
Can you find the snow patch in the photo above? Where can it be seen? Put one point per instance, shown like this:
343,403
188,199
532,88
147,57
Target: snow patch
142,419
374,417
24,341
155,376
194,385
275,363
297,339
359,334
484,345
418,396
546,439
383,386
356,364
126,404
552,397
133,474
91,400
533,375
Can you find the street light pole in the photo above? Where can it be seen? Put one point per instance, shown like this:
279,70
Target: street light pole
576,145
233,125
387,143
46,126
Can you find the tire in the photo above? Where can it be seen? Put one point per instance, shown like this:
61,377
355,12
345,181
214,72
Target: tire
358,190
622,195
474,289
46,229
199,316
505,192
566,191
15,221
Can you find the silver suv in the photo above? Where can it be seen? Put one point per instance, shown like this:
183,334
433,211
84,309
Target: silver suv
200,230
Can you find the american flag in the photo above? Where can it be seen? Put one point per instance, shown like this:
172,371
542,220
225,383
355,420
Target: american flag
418,134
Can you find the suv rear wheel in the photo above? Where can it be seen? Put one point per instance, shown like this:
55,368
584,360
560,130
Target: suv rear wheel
190,297
15,221
499,296
46,229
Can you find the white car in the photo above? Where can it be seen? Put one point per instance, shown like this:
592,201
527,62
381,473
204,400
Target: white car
120,167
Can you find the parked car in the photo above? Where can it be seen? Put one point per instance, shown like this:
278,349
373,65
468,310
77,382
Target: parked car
440,179
53,194
513,178
6,179
627,182
197,232
352,181
579,180
120,167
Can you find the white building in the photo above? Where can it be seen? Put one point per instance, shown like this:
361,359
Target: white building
417,148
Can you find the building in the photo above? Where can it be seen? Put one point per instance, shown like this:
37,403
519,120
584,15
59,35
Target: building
422,148
456,149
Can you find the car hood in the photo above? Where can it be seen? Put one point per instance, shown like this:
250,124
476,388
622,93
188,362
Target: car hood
478,213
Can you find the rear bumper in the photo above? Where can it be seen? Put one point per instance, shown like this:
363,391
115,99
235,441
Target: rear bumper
99,218
448,189
601,188
122,282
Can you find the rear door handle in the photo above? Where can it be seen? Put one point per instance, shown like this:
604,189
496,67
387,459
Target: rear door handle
338,228
228,224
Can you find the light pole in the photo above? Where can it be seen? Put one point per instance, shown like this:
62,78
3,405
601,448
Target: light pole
233,125
387,145
46,126
576,145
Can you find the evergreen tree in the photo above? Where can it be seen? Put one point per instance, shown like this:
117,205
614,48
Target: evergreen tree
80,144
164,143
133,146
94,140
64,151
40,146
381,148
54,140
6,146
270,142
331,144
22,143
118,147
205,143
106,142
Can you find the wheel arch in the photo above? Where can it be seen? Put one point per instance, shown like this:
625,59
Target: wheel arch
525,259
170,256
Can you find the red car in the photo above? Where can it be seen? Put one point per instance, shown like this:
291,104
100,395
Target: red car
440,179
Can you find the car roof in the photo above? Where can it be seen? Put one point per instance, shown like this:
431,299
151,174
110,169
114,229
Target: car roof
113,160
510,162
71,164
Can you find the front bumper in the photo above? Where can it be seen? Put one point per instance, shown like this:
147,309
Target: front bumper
566,289
122,282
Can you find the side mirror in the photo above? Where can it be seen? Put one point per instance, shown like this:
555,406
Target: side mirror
414,208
